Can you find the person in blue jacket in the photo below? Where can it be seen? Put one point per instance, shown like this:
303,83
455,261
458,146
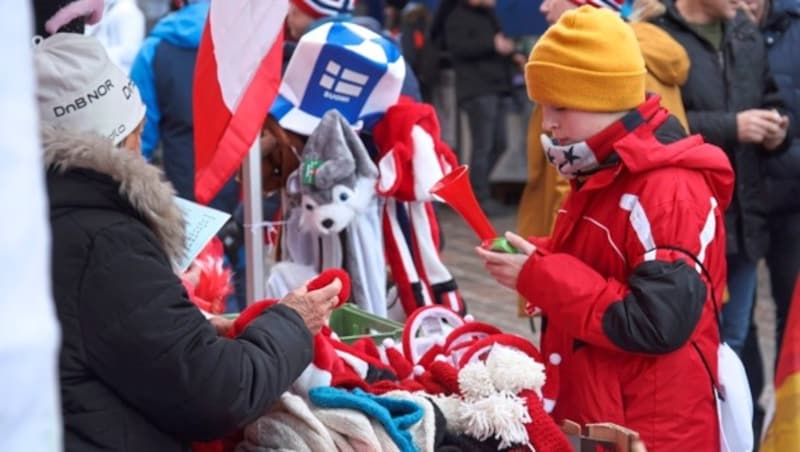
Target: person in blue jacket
164,71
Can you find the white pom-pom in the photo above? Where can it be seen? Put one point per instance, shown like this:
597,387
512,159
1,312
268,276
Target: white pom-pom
440,357
502,416
512,371
555,359
475,381
418,370
469,318
388,342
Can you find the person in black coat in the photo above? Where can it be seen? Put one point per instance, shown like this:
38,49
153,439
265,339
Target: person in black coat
141,368
482,59
732,100
779,21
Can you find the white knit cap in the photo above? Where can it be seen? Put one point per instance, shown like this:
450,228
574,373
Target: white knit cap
80,89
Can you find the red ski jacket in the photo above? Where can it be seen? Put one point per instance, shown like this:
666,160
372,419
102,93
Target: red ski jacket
628,309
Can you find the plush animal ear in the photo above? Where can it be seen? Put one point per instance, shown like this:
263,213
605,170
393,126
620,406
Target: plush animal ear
332,171
293,183
364,163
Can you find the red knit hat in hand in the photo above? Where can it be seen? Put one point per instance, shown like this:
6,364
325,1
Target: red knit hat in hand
327,277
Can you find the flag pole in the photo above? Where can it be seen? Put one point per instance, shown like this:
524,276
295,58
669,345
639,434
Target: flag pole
253,219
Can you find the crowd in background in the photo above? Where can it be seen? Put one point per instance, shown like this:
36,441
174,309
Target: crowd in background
728,71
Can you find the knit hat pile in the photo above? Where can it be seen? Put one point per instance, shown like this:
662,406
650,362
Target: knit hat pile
487,386
336,419
500,399
589,60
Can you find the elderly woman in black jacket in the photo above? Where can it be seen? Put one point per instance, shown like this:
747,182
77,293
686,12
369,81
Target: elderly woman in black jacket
141,368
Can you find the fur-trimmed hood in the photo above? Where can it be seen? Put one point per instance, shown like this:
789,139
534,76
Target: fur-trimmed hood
140,183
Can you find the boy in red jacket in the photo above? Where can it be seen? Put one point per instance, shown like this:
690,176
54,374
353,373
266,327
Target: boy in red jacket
630,280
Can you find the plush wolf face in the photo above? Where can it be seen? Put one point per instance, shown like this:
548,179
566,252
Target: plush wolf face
336,178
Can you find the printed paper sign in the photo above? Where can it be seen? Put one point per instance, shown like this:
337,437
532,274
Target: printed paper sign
202,222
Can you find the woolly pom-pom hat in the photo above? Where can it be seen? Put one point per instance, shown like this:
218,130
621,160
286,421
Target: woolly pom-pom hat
613,5
461,338
481,348
589,60
325,8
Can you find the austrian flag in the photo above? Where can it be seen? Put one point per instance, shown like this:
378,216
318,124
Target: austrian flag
236,78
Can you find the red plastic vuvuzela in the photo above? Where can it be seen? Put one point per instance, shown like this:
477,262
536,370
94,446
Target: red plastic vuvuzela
456,191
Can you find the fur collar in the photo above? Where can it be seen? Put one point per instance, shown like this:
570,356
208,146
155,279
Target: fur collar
139,182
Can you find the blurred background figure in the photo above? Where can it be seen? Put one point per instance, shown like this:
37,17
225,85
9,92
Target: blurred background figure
121,31
732,100
164,72
483,60
779,21
153,11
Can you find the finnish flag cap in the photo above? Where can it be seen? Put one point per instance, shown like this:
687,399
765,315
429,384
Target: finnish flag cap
339,66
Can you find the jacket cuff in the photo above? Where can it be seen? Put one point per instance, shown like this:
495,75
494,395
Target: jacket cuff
526,281
288,332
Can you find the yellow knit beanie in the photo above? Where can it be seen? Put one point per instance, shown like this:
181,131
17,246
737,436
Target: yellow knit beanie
589,60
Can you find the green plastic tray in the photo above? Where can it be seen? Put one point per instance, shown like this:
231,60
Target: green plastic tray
352,323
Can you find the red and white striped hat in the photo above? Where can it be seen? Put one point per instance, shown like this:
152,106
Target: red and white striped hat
614,5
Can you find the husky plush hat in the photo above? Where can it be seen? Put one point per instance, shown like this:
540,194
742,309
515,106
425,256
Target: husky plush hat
334,217
336,178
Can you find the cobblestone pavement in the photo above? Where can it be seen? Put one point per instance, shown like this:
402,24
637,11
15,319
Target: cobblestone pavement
489,302
486,300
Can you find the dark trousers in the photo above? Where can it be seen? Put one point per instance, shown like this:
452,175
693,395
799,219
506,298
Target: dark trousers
783,260
487,125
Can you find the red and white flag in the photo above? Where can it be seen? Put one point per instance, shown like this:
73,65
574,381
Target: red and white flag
236,78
